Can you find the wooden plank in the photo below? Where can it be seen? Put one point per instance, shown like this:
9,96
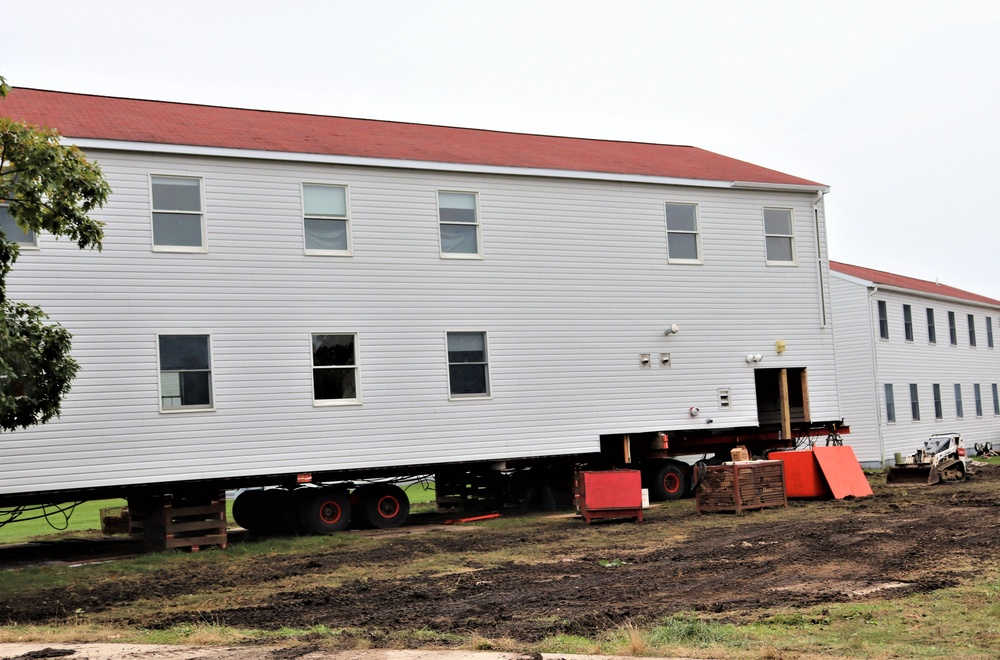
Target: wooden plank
805,398
786,412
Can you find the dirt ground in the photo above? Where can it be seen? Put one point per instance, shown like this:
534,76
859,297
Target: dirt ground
902,540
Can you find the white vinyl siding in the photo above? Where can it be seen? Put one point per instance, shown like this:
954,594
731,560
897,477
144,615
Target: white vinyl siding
326,227
458,215
779,236
683,237
178,220
13,232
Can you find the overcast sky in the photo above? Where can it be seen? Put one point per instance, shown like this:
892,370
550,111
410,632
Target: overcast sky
894,105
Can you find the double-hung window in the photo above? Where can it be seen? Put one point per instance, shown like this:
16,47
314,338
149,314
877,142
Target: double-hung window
972,330
335,369
978,394
914,403
13,232
907,323
185,372
989,332
883,320
468,365
938,410
959,412
952,329
779,236
931,330
178,221
683,237
458,215
996,400
325,220
890,404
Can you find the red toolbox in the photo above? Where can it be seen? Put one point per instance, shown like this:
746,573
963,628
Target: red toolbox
609,494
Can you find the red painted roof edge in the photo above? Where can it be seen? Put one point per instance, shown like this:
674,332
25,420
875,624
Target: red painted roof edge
87,116
909,283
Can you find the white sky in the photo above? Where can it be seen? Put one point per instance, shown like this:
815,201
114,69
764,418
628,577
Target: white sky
895,105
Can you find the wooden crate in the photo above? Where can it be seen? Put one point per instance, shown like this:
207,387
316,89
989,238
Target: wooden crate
190,522
741,486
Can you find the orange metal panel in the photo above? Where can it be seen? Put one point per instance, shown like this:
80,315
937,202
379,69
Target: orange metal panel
842,471
803,477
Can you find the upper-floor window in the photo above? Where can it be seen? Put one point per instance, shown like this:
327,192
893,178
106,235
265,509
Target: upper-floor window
907,323
185,372
459,222
977,394
931,330
914,403
683,237
952,329
178,222
890,404
989,332
972,330
996,400
325,220
938,409
779,235
883,320
13,232
959,412
468,365
335,368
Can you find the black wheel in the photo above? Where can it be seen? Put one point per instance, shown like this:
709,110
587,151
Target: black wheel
669,483
246,509
279,513
324,510
382,506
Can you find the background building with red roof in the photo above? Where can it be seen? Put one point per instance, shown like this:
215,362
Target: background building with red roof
914,358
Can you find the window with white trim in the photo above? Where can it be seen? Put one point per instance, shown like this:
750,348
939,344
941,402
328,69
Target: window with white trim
13,232
185,372
907,323
938,409
931,330
178,221
989,332
996,400
972,330
458,215
468,365
335,368
914,403
883,320
779,236
977,392
959,412
952,329
683,235
325,220
890,404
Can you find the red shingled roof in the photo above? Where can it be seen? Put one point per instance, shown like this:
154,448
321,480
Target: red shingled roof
131,120
910,283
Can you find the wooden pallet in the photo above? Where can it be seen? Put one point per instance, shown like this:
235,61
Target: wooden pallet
741,486
189,522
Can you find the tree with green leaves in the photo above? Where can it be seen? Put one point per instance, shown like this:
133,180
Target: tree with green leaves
44,186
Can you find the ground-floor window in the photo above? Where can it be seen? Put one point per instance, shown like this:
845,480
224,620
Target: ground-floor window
185,372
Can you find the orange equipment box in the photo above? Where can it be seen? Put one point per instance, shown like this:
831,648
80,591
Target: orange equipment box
609,494
835,468
803,477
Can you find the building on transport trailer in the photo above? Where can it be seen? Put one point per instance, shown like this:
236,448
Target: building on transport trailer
914,358
288,298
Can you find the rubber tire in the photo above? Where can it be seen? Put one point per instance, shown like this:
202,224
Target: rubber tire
324,510
669,483
379,506
246,509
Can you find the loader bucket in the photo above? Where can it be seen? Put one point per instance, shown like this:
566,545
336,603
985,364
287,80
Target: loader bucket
910,474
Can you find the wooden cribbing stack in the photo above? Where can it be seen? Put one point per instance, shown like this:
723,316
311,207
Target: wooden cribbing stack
188,521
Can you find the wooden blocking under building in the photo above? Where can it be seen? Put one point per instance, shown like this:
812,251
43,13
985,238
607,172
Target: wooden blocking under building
187,521
740,486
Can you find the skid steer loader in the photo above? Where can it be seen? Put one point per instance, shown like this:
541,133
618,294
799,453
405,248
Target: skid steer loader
942,458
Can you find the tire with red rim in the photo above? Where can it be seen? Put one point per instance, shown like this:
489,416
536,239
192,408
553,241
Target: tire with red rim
669,483
381,506
325,510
